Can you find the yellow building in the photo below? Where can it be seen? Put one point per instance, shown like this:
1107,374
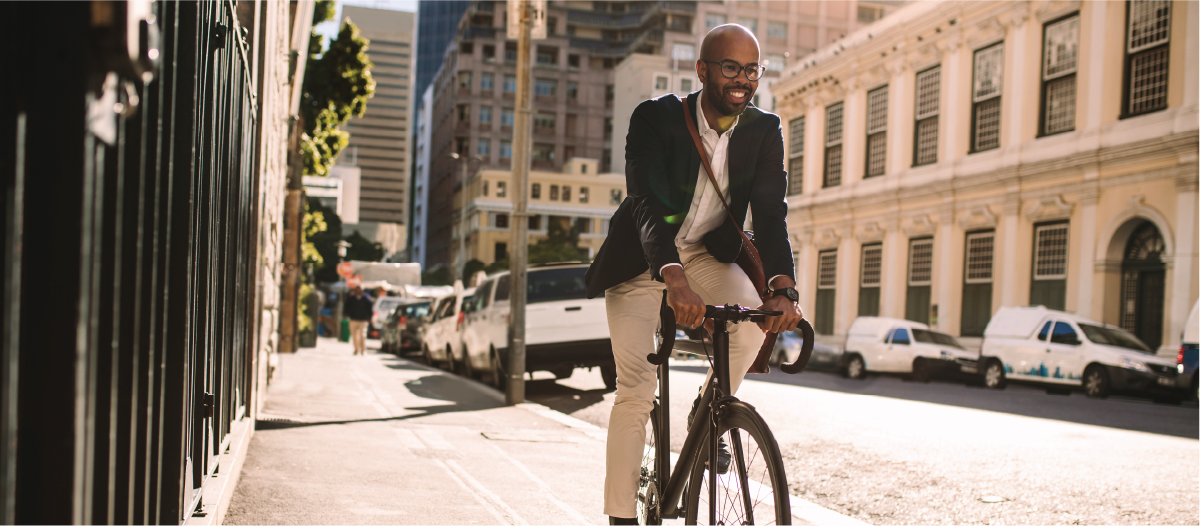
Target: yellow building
578,196
956,157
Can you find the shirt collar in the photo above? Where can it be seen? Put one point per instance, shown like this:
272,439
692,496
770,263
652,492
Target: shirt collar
704,122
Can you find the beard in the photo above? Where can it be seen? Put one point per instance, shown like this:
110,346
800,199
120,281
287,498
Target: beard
720,99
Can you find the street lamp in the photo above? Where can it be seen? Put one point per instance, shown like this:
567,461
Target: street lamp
460,260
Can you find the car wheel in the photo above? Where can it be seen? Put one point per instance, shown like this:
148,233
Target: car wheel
609,374
920,370
855,368
468,369
993,375
452,364
498,376
1095,382
428,356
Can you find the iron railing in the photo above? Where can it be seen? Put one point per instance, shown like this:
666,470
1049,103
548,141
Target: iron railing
130,230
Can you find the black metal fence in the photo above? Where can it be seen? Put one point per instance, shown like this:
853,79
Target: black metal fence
130,235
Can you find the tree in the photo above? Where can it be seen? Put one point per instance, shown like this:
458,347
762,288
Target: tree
337,84
325,241
362,249
473,266
561,244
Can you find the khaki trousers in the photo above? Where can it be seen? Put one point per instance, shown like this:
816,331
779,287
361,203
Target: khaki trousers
632,321
358,335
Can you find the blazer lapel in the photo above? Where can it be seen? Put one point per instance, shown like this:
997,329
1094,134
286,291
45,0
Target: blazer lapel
689,178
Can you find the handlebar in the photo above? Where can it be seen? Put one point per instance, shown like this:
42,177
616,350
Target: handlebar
736,314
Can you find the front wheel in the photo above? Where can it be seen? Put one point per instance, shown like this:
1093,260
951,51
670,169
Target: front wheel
755,491
920,371
649,484
993,375
855,368
1095,382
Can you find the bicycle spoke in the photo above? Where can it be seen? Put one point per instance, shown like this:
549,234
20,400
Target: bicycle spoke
747,493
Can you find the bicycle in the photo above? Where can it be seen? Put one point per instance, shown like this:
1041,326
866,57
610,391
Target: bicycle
756,486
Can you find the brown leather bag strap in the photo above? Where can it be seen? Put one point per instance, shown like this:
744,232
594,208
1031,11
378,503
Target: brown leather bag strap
691,123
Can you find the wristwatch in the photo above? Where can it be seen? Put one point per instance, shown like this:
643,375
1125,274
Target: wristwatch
788,292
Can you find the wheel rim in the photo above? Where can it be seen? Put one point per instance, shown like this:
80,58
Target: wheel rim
854,370
993,375
752,501
1092,383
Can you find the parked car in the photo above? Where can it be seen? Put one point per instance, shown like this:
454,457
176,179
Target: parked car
1185,363
402,328
441,337
1064,350
563,329
787,349
382,309
891,345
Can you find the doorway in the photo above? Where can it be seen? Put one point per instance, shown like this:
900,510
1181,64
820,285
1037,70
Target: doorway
1143,277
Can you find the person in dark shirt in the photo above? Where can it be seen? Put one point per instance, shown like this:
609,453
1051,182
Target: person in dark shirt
358,308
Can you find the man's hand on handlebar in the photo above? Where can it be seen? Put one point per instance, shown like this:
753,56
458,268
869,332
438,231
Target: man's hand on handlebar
688,307
791,311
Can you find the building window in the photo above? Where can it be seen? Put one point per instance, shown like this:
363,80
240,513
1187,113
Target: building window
685,85
920,262
464,113
867,14
684,52
833,145
535,191
774,62
499,220
608,127
510,84
572,90
877,107
486,81
985,98
712,20
980,248
796,156
1050,252
505,153
543,152
485,192
535,222
554,192
573,61
777,30
464,80
545,87
501,255
870,280
615,196
484,148
928,89
489,53
566,193
583,193
661,82
547,56
827,270
749,23
506,117
1146,56
1060,59
510,52
826,291
609,95
466,48
544,122
485,115
501,186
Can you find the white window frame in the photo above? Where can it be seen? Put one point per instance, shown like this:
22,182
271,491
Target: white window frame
796,129
928,109
1138,48
986,88
877,110
974,244
833,143
1038,232
876,254
827,269
1059,78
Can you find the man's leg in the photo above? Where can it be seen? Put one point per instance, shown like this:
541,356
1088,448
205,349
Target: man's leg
632,320
358,335
720,283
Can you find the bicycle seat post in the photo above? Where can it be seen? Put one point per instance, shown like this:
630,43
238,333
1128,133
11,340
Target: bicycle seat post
720,339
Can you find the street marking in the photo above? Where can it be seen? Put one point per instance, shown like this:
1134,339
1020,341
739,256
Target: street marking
409,440
433,439
482,502
486,492
575,515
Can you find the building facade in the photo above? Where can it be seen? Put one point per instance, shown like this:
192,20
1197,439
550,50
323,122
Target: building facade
578,196
419,217
439,23
380,139
957,157
572,90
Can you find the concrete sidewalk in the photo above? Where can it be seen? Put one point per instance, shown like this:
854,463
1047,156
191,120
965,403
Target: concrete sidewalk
381,440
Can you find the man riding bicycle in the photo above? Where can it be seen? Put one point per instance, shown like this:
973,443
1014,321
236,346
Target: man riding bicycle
672,232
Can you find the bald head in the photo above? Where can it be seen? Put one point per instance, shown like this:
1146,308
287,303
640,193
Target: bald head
725,38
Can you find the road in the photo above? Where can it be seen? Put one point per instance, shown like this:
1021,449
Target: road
888,451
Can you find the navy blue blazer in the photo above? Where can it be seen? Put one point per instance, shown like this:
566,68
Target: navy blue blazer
661,167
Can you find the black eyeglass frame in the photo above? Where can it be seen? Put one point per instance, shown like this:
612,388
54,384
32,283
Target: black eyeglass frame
746,69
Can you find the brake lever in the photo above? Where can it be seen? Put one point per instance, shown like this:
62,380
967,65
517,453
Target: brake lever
805,350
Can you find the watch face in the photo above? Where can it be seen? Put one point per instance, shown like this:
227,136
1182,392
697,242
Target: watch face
793,295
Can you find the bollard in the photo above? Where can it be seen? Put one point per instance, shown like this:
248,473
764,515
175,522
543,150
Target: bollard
344,331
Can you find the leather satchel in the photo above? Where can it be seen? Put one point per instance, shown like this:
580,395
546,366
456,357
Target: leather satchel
748,258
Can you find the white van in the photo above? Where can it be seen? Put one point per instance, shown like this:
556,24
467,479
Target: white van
890,345
1036,344
442,338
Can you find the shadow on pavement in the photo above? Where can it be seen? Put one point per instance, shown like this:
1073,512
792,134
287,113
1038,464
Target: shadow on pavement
1131,414
562,398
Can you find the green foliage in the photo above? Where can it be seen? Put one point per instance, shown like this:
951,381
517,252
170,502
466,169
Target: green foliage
325,242
499,266
314,224
362,249
437,276
324,11
337,84
471,267
306,321
561,244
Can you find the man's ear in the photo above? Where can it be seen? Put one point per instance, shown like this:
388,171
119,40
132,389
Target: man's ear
701,70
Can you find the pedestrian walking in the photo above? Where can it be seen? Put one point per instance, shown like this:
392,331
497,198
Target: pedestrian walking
358,308
676,234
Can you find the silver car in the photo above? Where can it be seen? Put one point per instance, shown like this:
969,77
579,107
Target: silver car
787,349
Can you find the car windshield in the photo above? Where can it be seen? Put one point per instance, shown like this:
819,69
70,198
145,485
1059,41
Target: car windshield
1113,336
557,284
388,305
417,309
937,338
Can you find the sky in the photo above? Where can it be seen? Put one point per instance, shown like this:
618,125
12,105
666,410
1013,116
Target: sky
330,29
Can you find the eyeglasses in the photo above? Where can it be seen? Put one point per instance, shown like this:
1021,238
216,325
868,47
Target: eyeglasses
731,69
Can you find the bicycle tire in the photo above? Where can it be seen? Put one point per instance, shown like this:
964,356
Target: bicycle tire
755,454
650,483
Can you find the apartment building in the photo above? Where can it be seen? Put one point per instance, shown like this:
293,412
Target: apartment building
958,157
578,196
474,93
380,139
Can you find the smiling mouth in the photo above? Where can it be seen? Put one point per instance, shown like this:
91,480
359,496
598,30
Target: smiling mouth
738,96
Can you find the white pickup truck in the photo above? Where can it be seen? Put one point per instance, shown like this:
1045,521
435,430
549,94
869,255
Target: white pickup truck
563,329
1065,350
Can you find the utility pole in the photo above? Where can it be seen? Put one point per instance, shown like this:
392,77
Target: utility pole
520,223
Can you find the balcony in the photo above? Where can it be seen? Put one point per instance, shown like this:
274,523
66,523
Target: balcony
482,33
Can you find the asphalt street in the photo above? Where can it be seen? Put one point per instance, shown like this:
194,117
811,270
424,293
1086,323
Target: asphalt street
889,451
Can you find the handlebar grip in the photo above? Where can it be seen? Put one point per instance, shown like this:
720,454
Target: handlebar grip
666,316
805,350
